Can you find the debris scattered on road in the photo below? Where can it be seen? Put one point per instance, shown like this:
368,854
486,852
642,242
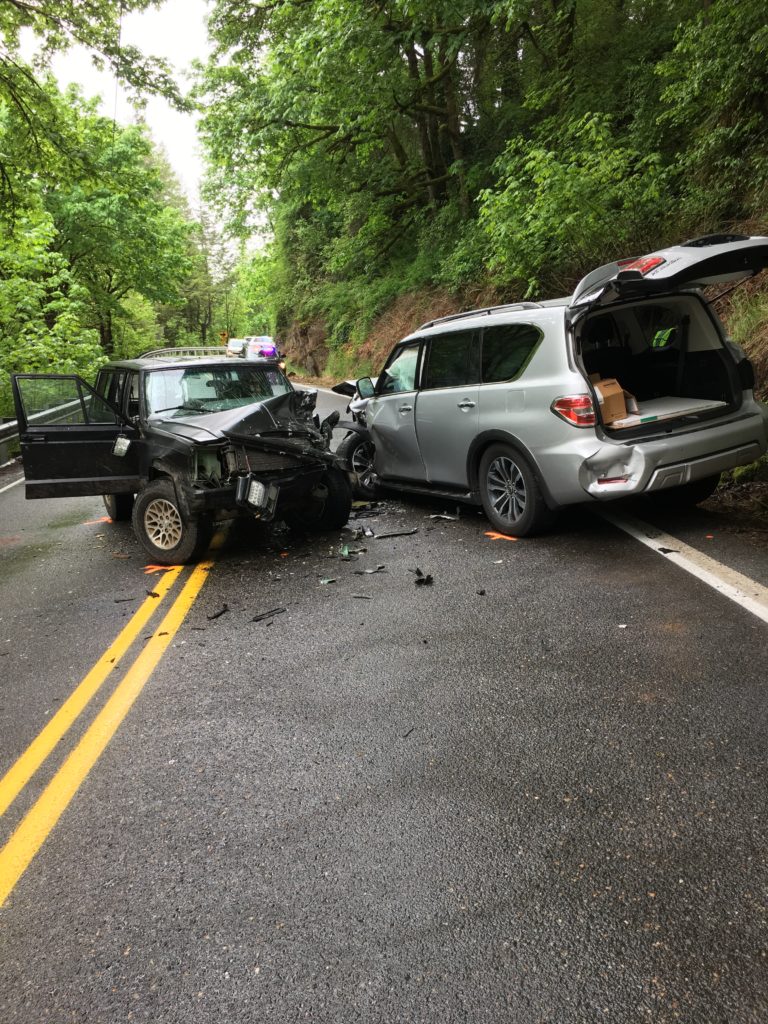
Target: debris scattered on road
422,579
267,615
622,625
370,572
481,593
493,535
326,580
363,597
667,551
152,593
123,600
120,554
443,515
217,615
398,533
407,734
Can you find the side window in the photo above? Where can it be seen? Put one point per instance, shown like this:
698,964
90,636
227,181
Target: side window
61,401
400,373
132,385
506,350
109,384
453,360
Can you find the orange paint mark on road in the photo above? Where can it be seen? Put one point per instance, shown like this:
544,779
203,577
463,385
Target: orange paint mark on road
95,522
498,536
150,569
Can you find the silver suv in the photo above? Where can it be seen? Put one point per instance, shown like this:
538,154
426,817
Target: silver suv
628,387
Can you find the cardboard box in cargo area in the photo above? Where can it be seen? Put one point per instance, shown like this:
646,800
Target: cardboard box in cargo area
615,402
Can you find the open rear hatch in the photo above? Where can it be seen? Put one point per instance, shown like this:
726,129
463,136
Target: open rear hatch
651,346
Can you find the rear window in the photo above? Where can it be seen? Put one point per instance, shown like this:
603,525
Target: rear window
506,350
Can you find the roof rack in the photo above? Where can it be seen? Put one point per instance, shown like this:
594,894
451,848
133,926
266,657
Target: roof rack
184,350
481,312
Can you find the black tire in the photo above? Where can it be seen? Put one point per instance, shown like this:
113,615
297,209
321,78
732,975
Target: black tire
166,534
357,451
510,493
327,508
118,506
685,495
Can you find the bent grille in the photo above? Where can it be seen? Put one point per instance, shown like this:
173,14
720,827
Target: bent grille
249,460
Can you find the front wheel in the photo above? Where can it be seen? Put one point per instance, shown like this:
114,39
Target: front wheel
168,535
118,506
326,508
357,451
510,493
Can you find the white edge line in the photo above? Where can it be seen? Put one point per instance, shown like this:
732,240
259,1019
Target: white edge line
9,486
702,566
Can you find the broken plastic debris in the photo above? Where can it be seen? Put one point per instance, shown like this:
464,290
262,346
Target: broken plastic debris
622,625
267,615
217,615
150,569
443,515
481,593
327,579
498,536
370,572
398,533
422,579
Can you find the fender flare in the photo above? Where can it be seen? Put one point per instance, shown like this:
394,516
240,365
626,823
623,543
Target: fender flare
352,426
489,437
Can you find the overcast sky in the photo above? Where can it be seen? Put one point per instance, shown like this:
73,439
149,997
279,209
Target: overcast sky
176,31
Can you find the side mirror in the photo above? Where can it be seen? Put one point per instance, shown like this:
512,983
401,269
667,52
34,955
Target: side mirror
365,387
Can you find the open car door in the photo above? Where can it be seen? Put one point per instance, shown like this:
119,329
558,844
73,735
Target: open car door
714,259
68,438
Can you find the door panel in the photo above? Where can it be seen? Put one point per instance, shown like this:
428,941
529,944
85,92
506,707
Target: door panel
391,416
68,433
446,426
392,422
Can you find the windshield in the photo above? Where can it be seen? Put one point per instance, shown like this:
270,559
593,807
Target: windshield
211,389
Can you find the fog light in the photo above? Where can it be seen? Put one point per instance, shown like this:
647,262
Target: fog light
257,493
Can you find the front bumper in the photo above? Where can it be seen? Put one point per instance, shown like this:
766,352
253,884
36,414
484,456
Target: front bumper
292,489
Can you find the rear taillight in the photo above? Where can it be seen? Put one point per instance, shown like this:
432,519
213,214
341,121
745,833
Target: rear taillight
575,409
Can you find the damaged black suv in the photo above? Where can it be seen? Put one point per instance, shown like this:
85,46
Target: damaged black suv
178,439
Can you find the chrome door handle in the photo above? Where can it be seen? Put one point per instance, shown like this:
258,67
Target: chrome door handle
405,408
466,404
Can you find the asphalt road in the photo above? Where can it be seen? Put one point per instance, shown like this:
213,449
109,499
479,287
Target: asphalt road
532,791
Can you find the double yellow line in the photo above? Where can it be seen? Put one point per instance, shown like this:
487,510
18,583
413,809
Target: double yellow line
37,824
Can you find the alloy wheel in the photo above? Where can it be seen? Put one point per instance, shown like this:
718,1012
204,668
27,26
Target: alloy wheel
506,489
163,524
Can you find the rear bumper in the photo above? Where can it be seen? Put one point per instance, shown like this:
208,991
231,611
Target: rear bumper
602,469
673,460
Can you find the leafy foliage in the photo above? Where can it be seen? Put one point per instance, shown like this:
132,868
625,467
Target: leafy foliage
478,145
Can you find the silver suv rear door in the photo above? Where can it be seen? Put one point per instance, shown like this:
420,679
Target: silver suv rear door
713,259
447,405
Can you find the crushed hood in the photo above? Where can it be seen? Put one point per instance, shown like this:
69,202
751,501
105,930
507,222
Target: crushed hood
278,422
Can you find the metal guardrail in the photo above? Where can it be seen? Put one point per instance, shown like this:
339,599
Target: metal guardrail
9,441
